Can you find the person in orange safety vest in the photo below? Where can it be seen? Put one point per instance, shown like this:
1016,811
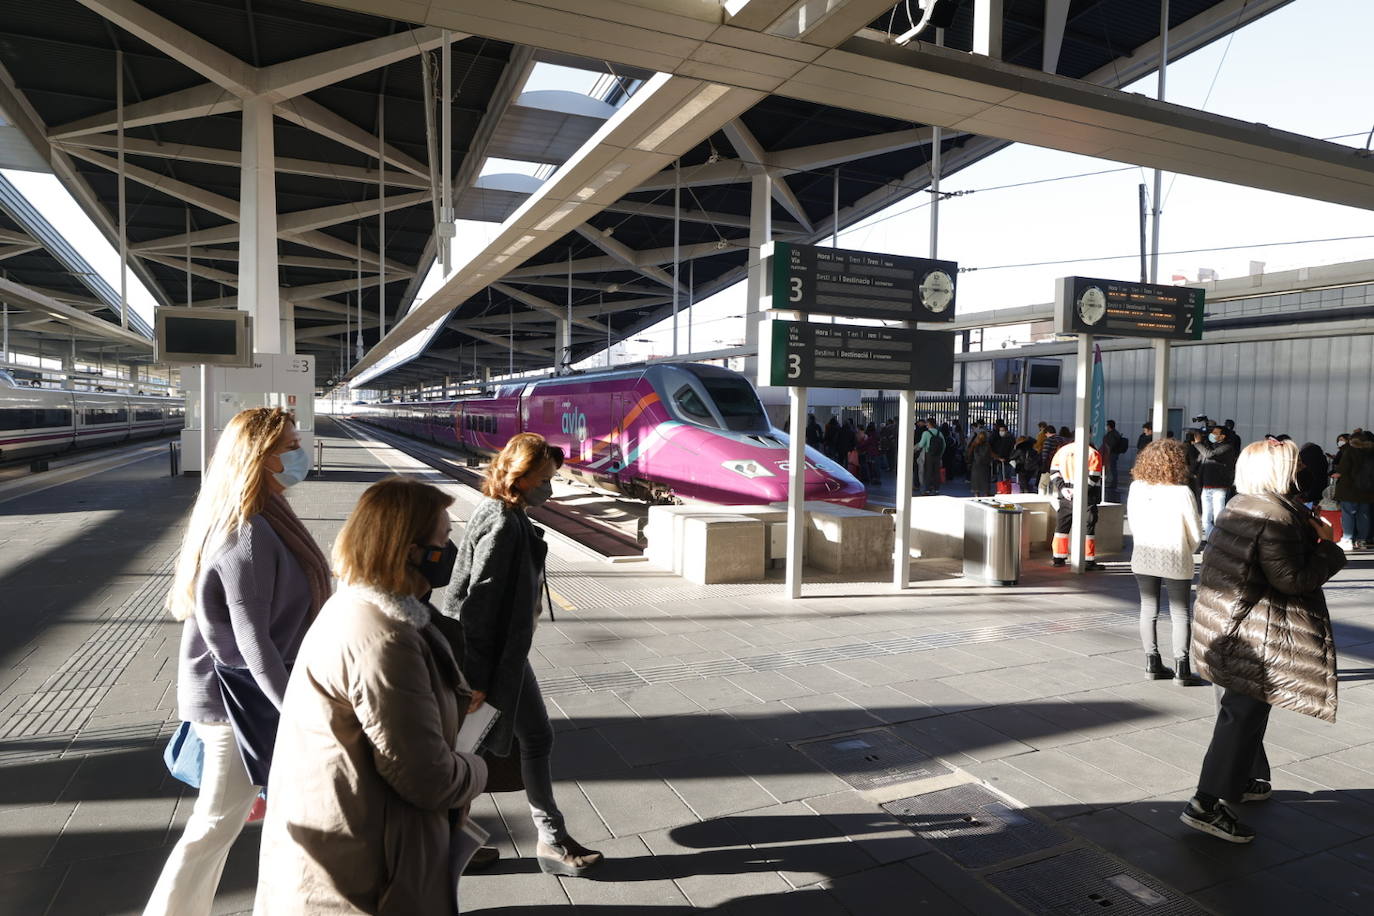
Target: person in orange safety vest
1063,481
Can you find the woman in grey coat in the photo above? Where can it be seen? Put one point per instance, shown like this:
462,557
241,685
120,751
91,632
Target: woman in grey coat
497,595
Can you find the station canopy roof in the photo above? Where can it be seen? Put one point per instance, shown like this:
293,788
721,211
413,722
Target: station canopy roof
527,106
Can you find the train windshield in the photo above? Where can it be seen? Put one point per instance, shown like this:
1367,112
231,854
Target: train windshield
736,403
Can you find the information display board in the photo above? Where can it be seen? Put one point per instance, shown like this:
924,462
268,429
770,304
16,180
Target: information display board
800,354
1118,308
858,284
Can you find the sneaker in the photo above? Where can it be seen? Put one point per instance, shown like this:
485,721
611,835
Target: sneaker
1218,820
568,858
1060,561
1346,544
1257,790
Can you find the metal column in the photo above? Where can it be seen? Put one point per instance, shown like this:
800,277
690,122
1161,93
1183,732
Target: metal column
760,233
1161,347
1082,392
258,226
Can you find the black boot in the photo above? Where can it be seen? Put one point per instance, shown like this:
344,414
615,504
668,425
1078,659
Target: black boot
1183,674
1154,668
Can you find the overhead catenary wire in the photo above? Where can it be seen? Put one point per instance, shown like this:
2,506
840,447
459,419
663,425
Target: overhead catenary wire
1136,254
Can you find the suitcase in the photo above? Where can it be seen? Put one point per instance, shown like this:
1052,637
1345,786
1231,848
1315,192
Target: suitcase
1334,517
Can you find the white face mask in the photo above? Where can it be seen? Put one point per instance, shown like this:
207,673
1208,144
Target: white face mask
295,465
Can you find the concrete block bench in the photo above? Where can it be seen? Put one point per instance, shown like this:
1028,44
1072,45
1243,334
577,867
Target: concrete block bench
844,540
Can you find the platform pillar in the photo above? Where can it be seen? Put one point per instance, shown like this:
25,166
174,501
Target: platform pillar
760,233
258,281
562,346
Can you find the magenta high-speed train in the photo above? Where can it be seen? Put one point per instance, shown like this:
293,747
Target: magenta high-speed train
667,432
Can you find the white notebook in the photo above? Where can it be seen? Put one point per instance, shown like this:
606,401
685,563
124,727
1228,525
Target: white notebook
475,728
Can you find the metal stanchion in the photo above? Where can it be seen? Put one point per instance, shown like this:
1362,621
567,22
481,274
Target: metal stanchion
319,457
174,458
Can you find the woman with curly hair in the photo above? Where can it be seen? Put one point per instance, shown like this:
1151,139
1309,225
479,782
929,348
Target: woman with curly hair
497,595
1166,530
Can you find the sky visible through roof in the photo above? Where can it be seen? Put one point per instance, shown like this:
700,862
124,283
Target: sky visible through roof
1305,68
1020,221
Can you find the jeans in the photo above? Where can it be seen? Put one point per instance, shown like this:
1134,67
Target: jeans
1213,501
192,872
1112,481
535,734
1356,521
1180,612
1236,754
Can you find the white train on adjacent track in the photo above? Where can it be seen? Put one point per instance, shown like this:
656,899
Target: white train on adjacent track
36,422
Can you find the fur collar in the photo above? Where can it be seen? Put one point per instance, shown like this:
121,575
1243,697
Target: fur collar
403,608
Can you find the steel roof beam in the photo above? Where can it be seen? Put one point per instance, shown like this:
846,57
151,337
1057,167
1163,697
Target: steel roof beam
542,305
181,45
14,251
505,343
659,211
751,151
230,158
311,115
627,256
197,102
188,193
33,300
306,74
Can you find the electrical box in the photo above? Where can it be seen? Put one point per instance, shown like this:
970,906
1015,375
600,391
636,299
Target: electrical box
274,380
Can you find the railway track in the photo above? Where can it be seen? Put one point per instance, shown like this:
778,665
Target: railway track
606,540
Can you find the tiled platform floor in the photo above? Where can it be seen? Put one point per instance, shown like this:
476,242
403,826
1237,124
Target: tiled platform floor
679,710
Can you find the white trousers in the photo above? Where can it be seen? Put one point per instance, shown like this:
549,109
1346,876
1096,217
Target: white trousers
191,876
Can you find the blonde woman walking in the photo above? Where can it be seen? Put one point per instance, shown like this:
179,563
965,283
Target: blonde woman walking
249,579
1165,530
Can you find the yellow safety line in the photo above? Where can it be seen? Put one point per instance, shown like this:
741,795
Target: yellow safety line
562,602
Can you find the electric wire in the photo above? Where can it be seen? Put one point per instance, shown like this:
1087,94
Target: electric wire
1136,254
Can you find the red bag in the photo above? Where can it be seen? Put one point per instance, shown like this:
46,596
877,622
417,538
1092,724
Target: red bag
1003,487
1334,517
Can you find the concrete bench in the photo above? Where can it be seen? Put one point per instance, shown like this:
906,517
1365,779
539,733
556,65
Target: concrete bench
937,526
722,548
774,531
1110,522
663,533
844,540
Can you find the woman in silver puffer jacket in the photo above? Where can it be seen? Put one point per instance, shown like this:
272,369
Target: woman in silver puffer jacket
1261,631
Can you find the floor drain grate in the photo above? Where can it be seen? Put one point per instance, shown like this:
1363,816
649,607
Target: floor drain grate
872,760
973,825
1084,881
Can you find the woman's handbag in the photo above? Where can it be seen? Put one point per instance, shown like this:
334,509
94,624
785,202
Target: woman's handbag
254,717
185,755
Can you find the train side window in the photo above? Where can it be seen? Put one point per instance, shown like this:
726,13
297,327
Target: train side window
691,404
56,418
147,414
16,418
491,424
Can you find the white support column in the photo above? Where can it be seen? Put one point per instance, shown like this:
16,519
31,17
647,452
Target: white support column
446,157
796,486
381,215
1081,409
1056,21
677,245
1161,347
987,28
69,366
258,282
562,344
123,217
760,233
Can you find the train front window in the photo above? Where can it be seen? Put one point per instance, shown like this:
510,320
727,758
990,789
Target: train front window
737,403
692,406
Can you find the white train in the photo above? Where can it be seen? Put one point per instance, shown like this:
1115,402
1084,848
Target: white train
44,421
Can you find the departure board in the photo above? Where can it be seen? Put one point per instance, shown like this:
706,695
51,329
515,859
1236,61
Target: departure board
805,355
858,284
1118,308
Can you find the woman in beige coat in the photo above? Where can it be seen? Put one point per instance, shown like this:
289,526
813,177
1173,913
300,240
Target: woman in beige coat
366,784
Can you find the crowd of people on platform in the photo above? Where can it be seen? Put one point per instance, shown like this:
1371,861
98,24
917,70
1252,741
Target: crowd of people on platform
336,683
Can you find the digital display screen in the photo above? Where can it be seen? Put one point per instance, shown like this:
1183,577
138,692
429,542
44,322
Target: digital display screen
202,336
1043,378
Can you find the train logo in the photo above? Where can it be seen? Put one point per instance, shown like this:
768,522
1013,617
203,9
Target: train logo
575,424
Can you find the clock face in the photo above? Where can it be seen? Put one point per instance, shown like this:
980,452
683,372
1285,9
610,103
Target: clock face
937,291
1092,305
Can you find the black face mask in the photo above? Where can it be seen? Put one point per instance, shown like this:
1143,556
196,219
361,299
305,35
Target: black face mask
436,563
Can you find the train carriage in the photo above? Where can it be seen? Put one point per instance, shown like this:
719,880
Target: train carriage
672,431
35,422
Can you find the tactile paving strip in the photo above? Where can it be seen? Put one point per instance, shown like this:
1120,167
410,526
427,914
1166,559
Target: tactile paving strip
1083,882
974,826
872,760
63,703
650,672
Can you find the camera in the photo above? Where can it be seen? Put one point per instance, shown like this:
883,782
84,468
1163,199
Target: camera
1203,419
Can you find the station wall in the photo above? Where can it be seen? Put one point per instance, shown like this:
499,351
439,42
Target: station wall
1312,389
